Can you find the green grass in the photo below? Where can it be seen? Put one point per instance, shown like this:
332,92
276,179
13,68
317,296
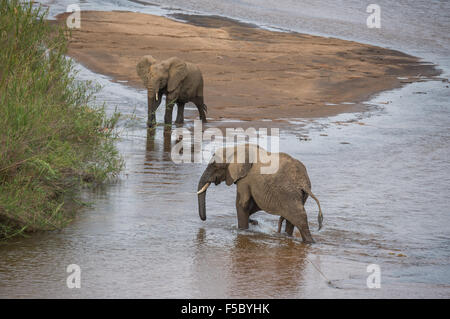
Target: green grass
52,140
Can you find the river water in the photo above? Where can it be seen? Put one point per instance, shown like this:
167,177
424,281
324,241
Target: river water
382,176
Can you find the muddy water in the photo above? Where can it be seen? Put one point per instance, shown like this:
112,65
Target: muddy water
382,178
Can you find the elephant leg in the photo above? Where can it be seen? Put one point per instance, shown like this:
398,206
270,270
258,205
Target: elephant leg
252,208
201,106
180,113
244,206
242,215
298,218
280,223
301,222
170,102
306,235
289,228
151,106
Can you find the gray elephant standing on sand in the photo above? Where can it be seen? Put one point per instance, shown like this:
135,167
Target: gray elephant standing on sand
282,193
180,81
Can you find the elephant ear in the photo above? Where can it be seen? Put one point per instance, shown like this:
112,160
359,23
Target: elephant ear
143,68
177,73
236,171
238,167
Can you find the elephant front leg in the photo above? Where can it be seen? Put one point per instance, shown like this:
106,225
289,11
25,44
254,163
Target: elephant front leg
242,213
171,99
168,114
252,208
242,216
180,113
151,106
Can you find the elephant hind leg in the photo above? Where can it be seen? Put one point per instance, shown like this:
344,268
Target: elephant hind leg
302,225
202,108
298,218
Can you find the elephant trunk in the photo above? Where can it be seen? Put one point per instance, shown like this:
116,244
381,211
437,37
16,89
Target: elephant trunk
203,184
153,90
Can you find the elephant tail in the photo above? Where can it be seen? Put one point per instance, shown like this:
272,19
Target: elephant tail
320,216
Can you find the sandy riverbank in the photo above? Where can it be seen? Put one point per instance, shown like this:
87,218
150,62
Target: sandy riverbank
250,73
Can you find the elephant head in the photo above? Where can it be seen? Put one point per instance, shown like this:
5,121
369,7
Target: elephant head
143,68
167,74
224,166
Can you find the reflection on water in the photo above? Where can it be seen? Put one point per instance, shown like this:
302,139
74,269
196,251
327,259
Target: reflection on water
252,267
382,179
152,145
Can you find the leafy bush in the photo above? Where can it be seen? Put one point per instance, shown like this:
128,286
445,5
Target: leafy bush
52,140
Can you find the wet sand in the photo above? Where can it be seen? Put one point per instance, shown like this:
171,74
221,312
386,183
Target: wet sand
250,74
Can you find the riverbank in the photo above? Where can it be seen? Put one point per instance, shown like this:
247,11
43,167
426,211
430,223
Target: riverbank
53,140
250,74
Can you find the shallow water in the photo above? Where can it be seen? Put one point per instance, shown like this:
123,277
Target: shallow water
382,178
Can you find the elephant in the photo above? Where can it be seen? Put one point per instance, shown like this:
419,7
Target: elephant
181,82
282,193
280,223
289,227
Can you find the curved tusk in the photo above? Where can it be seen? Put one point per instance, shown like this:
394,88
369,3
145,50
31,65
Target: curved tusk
156,96
204,188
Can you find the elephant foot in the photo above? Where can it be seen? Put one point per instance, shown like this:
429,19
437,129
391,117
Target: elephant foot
253,222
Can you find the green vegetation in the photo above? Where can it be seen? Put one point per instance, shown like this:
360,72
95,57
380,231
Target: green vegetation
51,141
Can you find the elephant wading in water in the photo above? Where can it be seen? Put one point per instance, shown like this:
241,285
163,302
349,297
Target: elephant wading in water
180,81
282,193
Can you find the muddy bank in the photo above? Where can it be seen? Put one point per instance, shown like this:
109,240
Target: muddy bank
250,73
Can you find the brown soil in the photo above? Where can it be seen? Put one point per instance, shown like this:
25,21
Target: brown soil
250,74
